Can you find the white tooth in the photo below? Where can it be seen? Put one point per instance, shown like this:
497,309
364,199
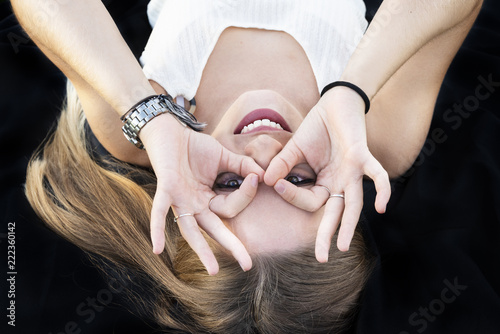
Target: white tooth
245,129
257,123
266,122
278,125
273,124
250,127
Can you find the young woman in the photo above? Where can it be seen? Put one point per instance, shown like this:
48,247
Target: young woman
252,71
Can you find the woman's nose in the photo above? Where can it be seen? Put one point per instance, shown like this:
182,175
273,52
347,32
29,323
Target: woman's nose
263,149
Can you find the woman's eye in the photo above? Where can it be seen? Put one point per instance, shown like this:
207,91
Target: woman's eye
232,183
228,181
293,179
298,180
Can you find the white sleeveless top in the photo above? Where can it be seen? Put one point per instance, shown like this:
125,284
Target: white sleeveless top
185,33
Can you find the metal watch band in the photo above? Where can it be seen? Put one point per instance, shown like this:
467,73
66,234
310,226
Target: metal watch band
143,112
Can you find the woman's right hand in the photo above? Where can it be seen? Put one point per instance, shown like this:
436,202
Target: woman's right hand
186,164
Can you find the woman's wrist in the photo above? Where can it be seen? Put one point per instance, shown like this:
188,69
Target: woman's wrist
160,129
351,86
151,107
344,112
343,99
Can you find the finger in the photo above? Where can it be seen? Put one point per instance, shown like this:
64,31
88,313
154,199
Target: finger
306,199
353,204
378,174
161,205
282,163
329,224
228,206
239,164
220,233
191,233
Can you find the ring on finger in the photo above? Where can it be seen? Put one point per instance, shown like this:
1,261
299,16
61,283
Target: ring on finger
327,189
332,195
183,215
210,202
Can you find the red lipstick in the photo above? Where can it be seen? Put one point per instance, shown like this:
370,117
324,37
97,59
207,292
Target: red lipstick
264,113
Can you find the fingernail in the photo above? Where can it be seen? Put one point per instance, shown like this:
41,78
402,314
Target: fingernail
344,249
322,254
323,260
212,272
279,187
382,210
255,181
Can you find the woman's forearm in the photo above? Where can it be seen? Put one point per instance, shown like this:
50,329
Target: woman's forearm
81,38
399,29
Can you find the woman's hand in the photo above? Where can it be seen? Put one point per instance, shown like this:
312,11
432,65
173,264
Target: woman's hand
332,140
186,164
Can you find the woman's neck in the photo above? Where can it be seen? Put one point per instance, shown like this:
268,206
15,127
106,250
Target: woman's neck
254,59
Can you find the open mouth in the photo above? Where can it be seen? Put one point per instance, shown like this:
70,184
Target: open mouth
262,120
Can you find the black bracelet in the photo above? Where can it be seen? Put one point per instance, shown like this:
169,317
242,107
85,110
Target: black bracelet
351,86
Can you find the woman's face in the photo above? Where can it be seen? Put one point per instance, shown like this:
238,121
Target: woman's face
268,223
252,75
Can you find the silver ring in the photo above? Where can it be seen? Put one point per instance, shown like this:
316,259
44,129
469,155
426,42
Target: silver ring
329,192
183,215
337,195
210,202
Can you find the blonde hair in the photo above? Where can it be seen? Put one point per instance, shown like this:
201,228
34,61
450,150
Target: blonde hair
104,206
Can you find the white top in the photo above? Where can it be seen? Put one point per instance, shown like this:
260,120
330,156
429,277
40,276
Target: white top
185,33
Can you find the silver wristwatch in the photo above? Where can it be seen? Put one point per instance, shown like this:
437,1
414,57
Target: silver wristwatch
144,111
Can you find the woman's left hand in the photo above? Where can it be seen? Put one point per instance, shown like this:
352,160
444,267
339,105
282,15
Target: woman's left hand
332,140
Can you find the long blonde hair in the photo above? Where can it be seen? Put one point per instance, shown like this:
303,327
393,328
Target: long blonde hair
104,206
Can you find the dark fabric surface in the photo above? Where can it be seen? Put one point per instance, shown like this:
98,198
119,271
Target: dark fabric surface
57,290
438,244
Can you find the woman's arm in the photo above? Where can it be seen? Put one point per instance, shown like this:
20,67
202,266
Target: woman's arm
81,38
400,64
